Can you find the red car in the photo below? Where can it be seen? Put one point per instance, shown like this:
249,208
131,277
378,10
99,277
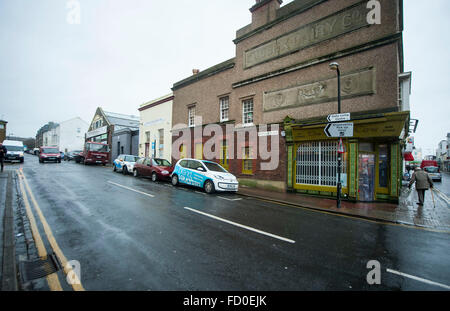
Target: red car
157,169
49,154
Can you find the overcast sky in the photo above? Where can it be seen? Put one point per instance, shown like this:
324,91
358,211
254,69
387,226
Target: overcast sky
124,53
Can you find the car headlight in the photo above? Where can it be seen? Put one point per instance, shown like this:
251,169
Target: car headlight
219,177
165,172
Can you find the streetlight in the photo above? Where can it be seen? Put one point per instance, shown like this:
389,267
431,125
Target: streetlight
335,66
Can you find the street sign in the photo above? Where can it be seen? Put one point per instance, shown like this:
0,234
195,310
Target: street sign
339,117
339,130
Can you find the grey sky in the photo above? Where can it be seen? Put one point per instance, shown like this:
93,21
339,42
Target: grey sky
127,52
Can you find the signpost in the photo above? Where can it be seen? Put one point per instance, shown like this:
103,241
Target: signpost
339,129
339,117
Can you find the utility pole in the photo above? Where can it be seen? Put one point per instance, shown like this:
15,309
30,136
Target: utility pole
335,66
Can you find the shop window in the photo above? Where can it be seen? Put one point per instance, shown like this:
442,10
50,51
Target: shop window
366,147
247,165
383,166
317,164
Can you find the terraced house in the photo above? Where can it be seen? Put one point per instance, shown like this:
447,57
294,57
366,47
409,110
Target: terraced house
281,76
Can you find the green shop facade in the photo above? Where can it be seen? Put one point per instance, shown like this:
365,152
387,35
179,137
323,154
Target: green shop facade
371,163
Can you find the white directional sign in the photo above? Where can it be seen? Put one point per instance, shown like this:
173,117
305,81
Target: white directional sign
339,117
339,130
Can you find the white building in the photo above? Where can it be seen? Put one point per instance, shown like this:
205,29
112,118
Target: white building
67,136
155,136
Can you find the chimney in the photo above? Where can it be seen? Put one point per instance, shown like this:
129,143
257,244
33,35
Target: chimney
264,11
195,71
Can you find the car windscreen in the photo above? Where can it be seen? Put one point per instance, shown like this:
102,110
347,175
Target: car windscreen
162,162
131,158
50,150
14,148
431,169
214,167
97,148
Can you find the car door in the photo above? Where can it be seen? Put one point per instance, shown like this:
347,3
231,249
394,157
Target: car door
147,167
197,177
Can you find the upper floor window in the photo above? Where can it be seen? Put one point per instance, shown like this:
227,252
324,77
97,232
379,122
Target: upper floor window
224,108
191,116
247,111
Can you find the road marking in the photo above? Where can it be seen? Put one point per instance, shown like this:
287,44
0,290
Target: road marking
76,284
442,195
418,279
230,199
200,192
52,279
131,189
241,226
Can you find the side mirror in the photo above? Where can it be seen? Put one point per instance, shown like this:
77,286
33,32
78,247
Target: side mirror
201,169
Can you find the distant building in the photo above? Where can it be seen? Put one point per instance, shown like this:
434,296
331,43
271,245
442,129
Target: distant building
42,135
155,139
2,130
441,153
119,131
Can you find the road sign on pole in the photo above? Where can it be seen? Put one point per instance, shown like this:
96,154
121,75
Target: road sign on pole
339,117
339,130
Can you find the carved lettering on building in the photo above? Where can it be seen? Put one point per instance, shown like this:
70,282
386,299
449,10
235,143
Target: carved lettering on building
354,84
316,32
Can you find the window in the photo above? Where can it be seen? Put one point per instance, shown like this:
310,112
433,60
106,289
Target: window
184,163
224,159
199,151
147,136
317,164
383,166
224,107
191,116
247,111
247,165
161,142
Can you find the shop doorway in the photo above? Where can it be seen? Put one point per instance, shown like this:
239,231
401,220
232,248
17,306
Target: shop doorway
366,173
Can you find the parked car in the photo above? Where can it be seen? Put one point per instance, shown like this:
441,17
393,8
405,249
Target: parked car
204,174
93,153
71,155
426,163
36,151
434,173
125,163
15,150
49,154
157,169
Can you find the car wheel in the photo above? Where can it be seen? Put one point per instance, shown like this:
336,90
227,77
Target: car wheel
175,180
124,170
209,187
114,168
135,173
154,177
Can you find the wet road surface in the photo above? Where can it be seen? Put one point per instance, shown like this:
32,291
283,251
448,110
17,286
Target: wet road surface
132,234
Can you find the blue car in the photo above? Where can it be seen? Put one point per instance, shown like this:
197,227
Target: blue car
204,174
125,163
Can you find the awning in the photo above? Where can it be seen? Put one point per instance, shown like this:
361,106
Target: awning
408,156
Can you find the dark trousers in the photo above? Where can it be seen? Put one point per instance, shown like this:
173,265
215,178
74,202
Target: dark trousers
1,162
421,194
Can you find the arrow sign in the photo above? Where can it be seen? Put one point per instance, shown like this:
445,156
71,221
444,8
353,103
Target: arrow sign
339,117
339,130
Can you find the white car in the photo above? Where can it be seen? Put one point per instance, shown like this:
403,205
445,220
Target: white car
204,174
125,163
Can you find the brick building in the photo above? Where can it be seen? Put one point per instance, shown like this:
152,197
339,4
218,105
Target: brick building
281,76
2,130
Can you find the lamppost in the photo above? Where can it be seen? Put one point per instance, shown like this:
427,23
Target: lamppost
335,66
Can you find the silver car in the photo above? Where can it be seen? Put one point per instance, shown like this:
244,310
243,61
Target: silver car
434,173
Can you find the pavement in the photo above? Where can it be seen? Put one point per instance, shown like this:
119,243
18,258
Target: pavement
434,214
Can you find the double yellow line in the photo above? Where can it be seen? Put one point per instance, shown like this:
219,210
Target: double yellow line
52,279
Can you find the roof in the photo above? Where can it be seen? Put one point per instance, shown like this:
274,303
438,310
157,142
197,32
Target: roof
155,102
122,120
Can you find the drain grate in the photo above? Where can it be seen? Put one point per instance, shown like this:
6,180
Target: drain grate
36,269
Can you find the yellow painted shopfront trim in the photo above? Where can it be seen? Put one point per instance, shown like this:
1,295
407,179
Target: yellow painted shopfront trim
378,189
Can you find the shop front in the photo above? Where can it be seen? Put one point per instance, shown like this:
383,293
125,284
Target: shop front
371,167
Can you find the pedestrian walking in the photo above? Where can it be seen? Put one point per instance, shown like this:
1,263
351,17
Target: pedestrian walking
3,152
423,183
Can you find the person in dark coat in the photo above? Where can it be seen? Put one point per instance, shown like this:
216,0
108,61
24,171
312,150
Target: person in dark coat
3,152
423,183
